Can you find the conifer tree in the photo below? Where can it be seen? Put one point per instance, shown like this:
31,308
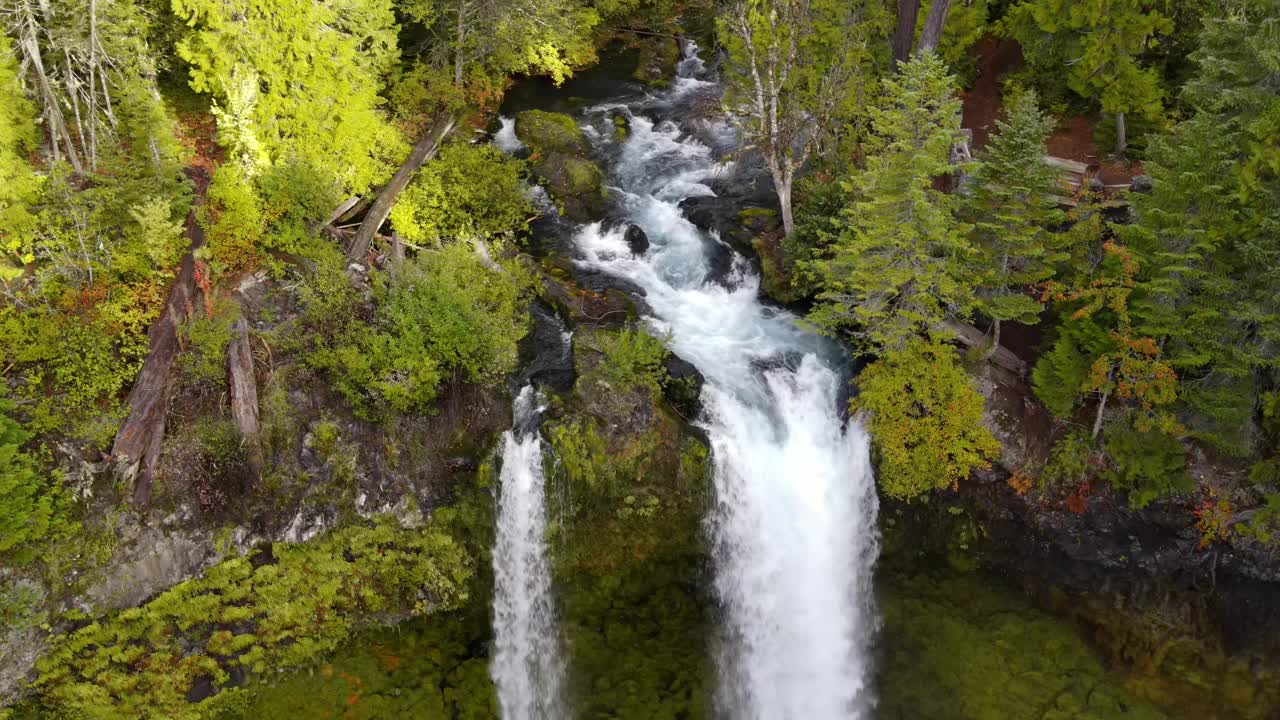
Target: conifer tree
1012,209
901,265
1208,231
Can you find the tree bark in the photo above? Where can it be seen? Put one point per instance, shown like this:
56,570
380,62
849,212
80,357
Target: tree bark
905,34
933,24
995,340
970,336
1122,140
381,208
1097,419
243,391
783,187
137,443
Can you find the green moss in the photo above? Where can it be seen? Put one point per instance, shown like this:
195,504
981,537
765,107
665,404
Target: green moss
547,132
263,611
957,647
584,177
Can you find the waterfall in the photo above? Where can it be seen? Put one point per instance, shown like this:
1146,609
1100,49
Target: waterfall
527,665
793,522
505,138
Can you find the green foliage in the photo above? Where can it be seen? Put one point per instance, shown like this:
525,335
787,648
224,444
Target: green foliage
1206,234
1264,526
579,452
1069,461
31,499
72,369
18,183
898,269
1060,375
275,610
966,24
205,338
1146,465
925,419
796,74
1012,211
632,359
1100,45
297,83
467,193
446,311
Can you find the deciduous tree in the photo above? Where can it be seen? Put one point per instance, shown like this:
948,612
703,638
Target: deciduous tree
793,67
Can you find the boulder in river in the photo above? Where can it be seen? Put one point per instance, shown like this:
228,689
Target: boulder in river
559,151
636,240
684,386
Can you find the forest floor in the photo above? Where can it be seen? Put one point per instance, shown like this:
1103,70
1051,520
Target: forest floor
1073,139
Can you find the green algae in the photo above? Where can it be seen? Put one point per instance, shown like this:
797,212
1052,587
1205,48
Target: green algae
959,646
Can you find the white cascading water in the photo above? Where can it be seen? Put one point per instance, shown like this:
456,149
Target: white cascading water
527,667
793,524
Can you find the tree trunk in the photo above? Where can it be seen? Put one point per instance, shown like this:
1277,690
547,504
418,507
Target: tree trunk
933,24
242,388
1122,140
137,443
783,187
995,340
381,208
1097,419
905,34
972,337
459,56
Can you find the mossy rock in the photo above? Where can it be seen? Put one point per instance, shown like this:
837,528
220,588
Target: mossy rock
658,59
957,647
559,159
610,307
548,132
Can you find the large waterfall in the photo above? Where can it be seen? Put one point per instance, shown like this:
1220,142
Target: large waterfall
793,523
527,664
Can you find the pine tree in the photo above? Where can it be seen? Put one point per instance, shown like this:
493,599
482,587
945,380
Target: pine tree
1012,209
902,263
1208,231
297,83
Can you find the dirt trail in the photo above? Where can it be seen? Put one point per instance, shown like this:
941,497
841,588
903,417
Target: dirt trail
1072,140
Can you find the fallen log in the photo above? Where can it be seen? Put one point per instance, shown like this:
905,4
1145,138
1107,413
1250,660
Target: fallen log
381,207
972,337
243,391
136,449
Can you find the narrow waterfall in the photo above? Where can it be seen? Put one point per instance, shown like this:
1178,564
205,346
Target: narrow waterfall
527,664
793,524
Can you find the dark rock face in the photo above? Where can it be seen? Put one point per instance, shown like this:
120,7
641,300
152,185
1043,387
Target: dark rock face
636,240
587,298
684,386
1141,184
546,357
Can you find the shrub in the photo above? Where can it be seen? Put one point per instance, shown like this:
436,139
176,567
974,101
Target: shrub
444,312
1068,463
31,504
468,192
632,358
204,361
925,419
1147,465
